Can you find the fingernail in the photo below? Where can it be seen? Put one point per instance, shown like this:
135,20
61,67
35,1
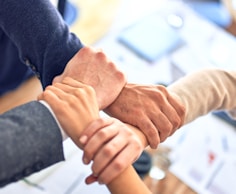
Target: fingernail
83,139
86,160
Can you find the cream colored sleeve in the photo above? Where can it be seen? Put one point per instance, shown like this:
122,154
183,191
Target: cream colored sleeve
206,90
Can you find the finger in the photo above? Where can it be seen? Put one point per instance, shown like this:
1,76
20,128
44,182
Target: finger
91,179
96,142
74,94
180,109
163,125
93,127
175,112
173,117
60,93
149,129
123,160
108,152
40,96
169,121
51,98
68,88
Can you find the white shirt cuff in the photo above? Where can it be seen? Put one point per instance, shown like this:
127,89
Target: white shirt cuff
64,135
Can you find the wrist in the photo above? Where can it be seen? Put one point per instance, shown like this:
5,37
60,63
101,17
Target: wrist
63,134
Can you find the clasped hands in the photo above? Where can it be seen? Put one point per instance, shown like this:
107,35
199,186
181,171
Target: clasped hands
144,115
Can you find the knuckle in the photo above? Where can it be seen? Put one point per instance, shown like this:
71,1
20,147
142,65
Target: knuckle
102,134
160,98
46,94
108,151
162,89
101,55
85,49
101,121
76,92
90,90
121,77
118,166
48,88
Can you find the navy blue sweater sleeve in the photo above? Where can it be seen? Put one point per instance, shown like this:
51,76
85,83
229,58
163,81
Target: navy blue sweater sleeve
40,34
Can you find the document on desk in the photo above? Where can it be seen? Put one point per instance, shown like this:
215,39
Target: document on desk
206,160
63,178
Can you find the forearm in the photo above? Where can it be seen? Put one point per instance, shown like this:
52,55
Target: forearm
40,34
205,91
128,182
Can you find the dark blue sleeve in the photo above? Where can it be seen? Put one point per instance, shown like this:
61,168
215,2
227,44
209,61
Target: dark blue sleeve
30,140
40,34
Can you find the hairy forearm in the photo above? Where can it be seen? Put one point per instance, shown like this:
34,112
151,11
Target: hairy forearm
204,91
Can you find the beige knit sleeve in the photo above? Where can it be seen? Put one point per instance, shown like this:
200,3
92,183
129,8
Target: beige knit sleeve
206,90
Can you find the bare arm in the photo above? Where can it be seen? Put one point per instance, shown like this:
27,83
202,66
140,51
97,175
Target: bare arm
128,182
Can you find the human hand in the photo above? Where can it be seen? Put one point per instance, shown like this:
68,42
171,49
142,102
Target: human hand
152,109
109,144
93,68
74,105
